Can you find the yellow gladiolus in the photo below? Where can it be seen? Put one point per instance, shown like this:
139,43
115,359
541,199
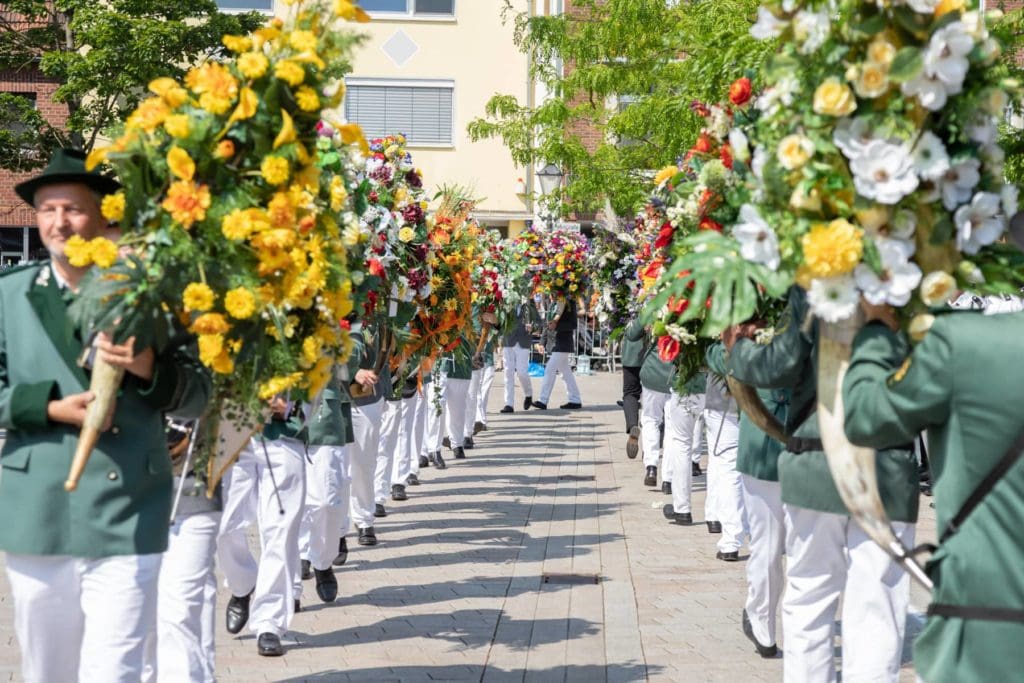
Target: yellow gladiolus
287,133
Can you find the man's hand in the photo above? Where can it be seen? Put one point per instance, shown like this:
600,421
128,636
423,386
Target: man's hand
366,378
71,410
736,332
883,313
124,356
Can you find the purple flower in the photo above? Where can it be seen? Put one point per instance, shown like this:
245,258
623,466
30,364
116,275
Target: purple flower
382,174
412,214
414,180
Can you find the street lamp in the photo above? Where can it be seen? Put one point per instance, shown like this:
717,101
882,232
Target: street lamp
550,178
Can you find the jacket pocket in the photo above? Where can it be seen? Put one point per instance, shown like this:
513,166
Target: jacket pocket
15,459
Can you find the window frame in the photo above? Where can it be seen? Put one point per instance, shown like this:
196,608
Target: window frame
244,10
448,83
410,14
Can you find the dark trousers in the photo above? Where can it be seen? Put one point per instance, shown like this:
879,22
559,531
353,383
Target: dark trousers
631,390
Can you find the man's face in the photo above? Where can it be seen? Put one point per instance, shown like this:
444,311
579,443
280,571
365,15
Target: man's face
66,209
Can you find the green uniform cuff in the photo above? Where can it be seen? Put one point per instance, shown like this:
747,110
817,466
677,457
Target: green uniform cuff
163,386
29,403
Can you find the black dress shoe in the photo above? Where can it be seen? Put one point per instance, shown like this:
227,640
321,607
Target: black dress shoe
528,403
733,556
424,461
367,536
478,427
326,585
307,570
413,480
619,403
571,405
666,488
539,405
459,453
695,470
342,555
507,409
379,511
237,613
446,442
398,493
297,606
714,527
468,444
439,462
651,476
766,651
269,645
633,443
681,518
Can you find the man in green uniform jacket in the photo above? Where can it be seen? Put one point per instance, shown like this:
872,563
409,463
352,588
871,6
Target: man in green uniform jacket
634,347
828,554
963,386
83,566
656,377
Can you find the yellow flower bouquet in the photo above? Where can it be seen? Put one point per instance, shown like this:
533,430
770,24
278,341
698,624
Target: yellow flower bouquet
227,231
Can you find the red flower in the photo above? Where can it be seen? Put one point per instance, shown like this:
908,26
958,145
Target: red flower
707,304
708,201
652,271
700,109
345,325
708,224
726,155
703,145
677,307
664,236
375,267
740,91
668,348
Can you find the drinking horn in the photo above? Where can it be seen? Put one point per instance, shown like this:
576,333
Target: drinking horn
853,468
104,384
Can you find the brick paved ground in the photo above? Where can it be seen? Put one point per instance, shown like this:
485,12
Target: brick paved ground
455,590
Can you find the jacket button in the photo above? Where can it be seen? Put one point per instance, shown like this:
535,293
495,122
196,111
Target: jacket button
115,430
112,475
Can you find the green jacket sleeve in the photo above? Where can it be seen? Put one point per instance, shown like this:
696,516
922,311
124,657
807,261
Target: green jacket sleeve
180,385
635,331
715,357
781,362
887,403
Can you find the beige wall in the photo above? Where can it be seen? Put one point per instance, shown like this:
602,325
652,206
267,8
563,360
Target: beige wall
476,52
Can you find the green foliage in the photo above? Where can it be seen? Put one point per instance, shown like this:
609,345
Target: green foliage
658,56
1011,31
102,54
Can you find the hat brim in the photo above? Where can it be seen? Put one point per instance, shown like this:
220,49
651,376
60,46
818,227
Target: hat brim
99,183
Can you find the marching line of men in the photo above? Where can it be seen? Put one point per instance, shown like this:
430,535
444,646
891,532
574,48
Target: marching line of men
116,581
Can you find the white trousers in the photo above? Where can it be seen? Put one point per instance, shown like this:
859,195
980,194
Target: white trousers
724,500
250,497
456,407
419,429
483,393
681,442
83,619
187,603
363,461
700,445
328,489
762,503
472,402
517,364
653,412
558,362
828,555
390,428
406,459
434,395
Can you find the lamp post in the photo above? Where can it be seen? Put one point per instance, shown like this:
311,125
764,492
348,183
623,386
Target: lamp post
550,178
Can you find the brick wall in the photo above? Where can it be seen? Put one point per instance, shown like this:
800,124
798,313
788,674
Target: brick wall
14,212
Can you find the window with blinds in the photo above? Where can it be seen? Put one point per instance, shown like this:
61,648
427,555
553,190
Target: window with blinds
245,5
413,7
422,113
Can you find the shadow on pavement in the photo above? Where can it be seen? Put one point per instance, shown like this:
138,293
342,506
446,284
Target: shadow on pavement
417,674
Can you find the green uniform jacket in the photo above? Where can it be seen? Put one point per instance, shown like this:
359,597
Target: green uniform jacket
656,374
696,384
123,501
329,426
634,345
460,366
790,361
964,384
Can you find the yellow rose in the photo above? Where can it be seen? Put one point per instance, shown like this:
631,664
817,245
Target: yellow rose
833,249
198,297
177,125
872,80
112,207
180,163
275,170
290,72
252,65
937,288
834,98
919,326
240,303
881,51
872,219
805,201
794,151
406,234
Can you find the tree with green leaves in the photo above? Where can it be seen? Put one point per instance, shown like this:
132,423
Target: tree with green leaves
632,69
102,53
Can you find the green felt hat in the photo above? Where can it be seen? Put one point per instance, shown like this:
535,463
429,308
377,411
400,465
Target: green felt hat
66,166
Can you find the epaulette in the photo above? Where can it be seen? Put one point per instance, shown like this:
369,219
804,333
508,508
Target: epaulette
25,265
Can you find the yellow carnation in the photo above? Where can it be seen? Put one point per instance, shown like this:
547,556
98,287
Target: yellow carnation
237,43
303,41
240,303
290,72
169,91
275,170
310,350
112,207
149,115
214,355
211,323
834,98
338,193
186,202
198,297
832,250
240,224
252,65
794,151
104,252
406,234
279,385
78,252
307,99
215,85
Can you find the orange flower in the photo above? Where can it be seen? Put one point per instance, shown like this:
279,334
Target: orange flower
149,115
187,202
216,87
211,323
740,91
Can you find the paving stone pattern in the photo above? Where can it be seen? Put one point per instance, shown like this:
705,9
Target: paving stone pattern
455,590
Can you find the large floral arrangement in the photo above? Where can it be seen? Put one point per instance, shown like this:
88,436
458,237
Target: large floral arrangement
558,260
878,173
500,280
613,266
